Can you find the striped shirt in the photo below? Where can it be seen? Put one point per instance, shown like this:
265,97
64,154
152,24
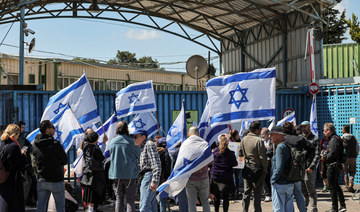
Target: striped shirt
150,160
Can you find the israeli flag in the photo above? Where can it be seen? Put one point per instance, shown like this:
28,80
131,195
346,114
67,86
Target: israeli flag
204,120
313,118
177,132
194,154
110,131
135,98
79,96
67,128
288,118
242,97
272,124
212,133
145,121
244,125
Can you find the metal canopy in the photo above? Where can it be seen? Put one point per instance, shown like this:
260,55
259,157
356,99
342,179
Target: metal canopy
212,19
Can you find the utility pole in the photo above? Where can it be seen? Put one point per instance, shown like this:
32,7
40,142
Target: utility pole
21,45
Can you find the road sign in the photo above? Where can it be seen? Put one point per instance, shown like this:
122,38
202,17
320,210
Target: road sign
314,88
286,112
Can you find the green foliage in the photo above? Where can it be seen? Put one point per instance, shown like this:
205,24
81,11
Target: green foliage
86,60
334,30
148,62
212,70
128,58
354,28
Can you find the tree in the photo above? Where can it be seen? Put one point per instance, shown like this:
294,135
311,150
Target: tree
334,30
148,62
86,60
124,57
354,28
212,70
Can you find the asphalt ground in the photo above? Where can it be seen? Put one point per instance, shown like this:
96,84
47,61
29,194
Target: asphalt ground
324,203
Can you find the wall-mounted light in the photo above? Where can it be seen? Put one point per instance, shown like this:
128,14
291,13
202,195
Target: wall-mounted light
94,7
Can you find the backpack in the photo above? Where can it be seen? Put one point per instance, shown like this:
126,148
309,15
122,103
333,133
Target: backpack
342,151
3,173
297,167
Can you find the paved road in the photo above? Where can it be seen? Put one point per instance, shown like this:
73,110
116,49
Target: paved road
324,203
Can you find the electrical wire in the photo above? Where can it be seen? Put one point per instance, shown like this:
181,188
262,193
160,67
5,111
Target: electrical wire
6,34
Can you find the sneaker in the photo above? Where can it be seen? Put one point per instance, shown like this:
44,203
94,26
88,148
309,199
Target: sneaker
342,209
267,199
351,189
324,189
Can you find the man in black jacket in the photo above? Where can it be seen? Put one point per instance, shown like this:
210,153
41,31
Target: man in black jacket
49,158
302,145
332,157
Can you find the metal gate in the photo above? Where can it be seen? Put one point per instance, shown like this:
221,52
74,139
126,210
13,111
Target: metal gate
338,104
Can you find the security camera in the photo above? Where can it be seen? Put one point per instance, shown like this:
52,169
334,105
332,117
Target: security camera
4,75
26,31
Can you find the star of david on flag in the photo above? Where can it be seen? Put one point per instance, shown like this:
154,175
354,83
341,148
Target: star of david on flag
313,119
237,101
145,121
242,97
67,128
135,98
80,97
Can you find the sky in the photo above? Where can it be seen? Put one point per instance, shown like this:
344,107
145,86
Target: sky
99,39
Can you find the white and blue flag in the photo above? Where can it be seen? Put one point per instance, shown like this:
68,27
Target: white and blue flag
67,128
313,118
212,133
135,98
177,132
145,121
204,120
193,155
242,97
110,131
244,125
79,96
289,118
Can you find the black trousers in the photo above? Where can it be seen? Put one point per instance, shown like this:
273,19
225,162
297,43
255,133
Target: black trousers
332,173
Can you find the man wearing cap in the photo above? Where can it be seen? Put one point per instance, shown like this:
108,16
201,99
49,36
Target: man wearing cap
308,184
150,170
254,152
282,190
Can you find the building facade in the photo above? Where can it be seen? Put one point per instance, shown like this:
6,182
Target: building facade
56,74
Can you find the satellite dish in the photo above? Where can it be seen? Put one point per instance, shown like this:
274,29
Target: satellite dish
196,67
32,45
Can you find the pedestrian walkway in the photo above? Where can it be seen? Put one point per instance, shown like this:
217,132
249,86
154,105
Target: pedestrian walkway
324,203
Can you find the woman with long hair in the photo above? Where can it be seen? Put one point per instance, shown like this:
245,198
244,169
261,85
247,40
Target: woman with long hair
13,158
221,174
93,172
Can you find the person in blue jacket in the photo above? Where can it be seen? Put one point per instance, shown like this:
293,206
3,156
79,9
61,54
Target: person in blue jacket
124,167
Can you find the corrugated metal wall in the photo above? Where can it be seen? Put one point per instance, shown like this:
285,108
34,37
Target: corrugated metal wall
28,106
341,60
264,46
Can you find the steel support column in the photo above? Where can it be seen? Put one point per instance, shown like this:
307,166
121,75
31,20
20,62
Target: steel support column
21,45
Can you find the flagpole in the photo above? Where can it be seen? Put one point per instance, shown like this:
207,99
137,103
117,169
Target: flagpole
157,123
75,117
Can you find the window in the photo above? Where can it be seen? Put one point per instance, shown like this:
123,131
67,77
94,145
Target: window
115,85
43,79
13,79
63,82
159,87
31,78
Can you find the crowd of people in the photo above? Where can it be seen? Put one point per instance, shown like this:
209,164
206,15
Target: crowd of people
34,173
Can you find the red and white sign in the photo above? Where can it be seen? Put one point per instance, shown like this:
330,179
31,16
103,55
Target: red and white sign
286,112
314,88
